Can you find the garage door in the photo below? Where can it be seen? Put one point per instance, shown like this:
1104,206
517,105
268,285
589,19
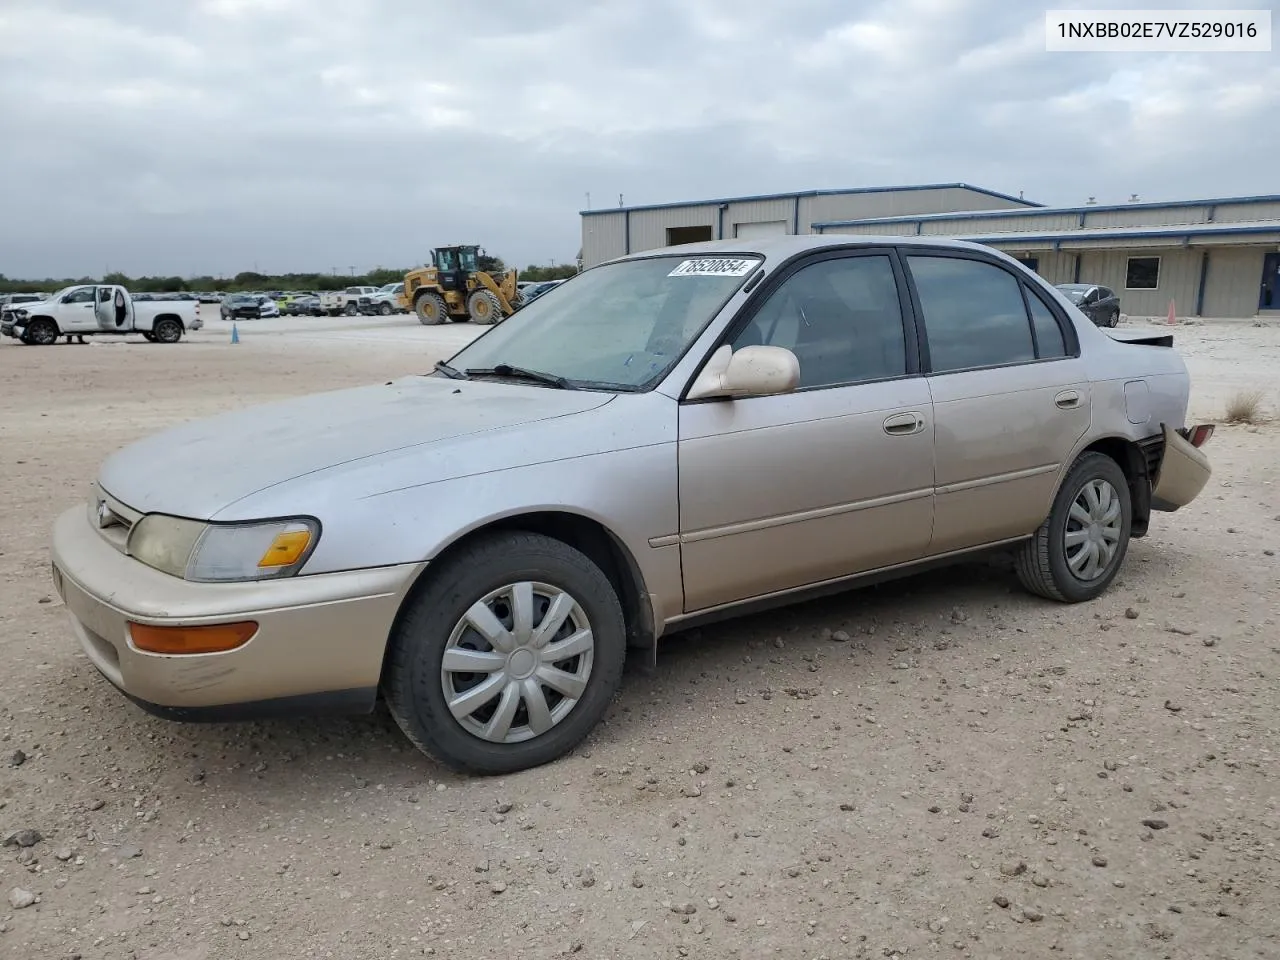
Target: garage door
752,231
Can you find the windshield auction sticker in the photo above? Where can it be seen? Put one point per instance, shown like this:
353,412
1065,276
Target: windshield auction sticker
714,267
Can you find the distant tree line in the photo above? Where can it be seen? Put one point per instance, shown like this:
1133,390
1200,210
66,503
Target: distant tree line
251,281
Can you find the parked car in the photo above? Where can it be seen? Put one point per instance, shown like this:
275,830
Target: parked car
1099,304
98,309
210,297
534,291
385,301
248,306
13,299
307,305
346,301
675,437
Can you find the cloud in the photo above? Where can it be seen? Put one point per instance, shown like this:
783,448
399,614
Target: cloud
157,137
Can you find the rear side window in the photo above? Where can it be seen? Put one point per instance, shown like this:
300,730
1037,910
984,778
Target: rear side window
1049,341
974,315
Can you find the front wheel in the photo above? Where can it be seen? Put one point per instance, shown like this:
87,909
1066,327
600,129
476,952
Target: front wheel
484,307
1078,550
1114,318
42,332
385,309
507,656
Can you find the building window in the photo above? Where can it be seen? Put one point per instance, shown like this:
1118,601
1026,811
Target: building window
1142,273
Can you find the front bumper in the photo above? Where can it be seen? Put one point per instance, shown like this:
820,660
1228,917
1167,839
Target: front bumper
320,638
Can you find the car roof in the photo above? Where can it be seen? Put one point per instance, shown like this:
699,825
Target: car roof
784,247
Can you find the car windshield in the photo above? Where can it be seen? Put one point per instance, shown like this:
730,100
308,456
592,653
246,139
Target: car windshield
622,325
1074,292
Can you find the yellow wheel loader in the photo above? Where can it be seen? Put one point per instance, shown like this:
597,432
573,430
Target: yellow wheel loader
453,287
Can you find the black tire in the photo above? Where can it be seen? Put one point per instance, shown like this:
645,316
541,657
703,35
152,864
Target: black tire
167,330
1041,562
1114,319
413,684
431,309
42,331
484,308
385,309
351,310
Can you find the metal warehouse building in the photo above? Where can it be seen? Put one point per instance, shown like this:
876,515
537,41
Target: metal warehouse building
618,231
1213,258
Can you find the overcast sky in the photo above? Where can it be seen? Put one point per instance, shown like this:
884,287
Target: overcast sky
190,136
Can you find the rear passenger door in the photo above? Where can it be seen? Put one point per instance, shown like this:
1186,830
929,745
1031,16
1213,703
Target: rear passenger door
1010,395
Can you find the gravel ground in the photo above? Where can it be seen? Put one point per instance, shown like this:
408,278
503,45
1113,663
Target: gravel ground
940,766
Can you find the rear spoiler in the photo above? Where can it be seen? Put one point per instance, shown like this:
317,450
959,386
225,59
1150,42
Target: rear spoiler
1150,338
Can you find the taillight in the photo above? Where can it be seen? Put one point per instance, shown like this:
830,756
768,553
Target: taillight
1199,435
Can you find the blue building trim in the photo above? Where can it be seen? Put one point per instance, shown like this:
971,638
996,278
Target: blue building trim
1138,233
818,193
1041,210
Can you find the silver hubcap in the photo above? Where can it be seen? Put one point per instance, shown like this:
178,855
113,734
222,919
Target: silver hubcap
517,662
1093,530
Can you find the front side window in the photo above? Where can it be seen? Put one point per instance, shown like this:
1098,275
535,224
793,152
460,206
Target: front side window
617,326
841,318
83,295
1142,273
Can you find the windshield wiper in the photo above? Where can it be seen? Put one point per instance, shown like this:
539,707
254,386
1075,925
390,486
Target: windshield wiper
449,371
507,370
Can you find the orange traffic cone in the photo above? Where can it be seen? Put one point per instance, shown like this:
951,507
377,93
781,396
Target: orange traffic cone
1173,315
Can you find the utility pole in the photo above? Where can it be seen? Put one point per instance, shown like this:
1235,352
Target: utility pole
619,199
588,199
353,272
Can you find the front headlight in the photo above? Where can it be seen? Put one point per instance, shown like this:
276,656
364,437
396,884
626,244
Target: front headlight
223,552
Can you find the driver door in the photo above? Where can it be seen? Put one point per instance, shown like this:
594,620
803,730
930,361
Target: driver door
833,479
104,309
75,314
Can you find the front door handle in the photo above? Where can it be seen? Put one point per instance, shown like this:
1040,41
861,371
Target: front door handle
1067,399
904,424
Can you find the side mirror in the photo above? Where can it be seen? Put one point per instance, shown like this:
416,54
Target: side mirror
749,372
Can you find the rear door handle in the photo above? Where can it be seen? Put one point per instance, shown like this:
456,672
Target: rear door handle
1068,399
904,424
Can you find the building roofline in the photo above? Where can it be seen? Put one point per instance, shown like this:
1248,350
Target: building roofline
1048,211
814,193
1121,233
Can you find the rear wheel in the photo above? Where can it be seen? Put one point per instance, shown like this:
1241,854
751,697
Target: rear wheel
484,307
351,310
167,330
42,331
431,309
1078,550
508,655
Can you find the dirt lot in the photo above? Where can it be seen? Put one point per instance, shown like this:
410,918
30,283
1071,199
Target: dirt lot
962,770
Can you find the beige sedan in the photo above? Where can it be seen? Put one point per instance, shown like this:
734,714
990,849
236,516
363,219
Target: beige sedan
670,438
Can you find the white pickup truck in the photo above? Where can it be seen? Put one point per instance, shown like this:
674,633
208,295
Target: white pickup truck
346,301
94,309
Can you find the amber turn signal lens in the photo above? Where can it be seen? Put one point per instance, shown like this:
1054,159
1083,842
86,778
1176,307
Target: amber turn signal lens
214,638
286,549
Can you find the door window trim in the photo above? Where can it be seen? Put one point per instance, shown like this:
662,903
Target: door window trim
760,296
1069,336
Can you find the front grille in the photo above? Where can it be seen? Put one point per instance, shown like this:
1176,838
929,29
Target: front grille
112,519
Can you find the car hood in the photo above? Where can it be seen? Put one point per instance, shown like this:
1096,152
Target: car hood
29,305
197,469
